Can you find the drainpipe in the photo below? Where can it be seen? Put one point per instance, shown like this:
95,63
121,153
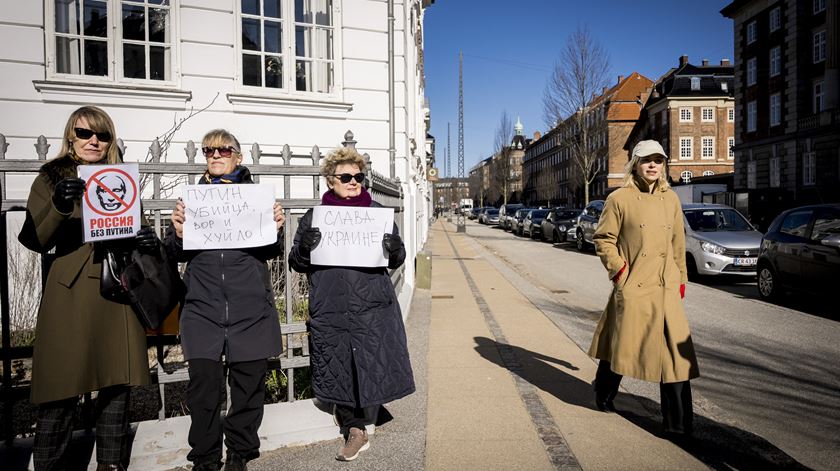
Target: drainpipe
391,150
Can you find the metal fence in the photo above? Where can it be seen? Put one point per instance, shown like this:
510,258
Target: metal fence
289,286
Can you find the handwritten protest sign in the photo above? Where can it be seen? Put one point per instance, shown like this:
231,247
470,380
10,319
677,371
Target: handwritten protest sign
351,236
228,216
111,203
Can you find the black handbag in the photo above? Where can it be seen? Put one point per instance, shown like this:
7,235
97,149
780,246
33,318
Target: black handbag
148,282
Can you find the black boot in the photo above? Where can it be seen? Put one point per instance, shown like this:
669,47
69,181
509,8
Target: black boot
235,462
606,387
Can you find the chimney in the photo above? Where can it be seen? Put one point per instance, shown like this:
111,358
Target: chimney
705,62
724,62
620,78
537,135
683,60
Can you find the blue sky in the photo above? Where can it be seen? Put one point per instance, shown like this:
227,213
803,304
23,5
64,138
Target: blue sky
510,48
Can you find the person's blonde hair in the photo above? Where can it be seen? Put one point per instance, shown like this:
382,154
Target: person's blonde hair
98,121
341,155
220,138
630,177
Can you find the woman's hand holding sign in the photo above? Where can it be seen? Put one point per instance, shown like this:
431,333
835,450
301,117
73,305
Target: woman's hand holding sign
178,219
279,215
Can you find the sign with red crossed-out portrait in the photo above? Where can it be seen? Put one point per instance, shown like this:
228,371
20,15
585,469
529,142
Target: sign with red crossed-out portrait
111,203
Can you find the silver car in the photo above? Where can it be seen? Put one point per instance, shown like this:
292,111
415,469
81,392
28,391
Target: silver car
719,240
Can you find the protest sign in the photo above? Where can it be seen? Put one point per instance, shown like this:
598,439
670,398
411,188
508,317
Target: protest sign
351,236
111,203
228,216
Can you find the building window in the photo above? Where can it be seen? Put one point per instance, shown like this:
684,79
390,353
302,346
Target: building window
775,19
695,83
775,109
707,115
686,148
818,96
288,45
775,172
751,32
685,176
731,144
809,168
752,71
751,174
775,61
708,173
751,116
819,46
685,115
707,150
819,6
730,115
111,40
664,118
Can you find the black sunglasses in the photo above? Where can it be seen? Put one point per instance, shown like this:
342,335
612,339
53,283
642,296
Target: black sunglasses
223,151
83,133
346,177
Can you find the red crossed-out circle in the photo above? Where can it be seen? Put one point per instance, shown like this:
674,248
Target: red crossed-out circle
93,180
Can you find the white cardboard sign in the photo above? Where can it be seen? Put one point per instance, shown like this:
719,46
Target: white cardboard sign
111,203
228,216
351,236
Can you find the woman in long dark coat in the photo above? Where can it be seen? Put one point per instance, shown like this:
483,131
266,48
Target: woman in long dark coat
358,345
229,317
83,342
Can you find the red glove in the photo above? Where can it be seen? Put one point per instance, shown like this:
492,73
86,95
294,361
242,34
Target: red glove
618,275
682,291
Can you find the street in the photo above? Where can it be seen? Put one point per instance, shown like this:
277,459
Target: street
768,372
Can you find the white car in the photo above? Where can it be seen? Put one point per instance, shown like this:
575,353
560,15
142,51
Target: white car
719,241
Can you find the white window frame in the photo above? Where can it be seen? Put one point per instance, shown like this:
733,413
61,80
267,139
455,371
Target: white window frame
695,83
730,143
686,115
775,109
775,61
819,6
819,46
708,173
730,114
775,172
752,116
289,88
751,174
819,96
752,71
809,169
751,32
686,148
707,147
115,44
686,176
775,19
707,115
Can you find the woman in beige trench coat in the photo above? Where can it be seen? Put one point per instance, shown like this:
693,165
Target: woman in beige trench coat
643,332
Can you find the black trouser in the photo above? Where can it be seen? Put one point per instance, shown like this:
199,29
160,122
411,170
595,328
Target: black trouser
355,416
242,421
674,398
55,428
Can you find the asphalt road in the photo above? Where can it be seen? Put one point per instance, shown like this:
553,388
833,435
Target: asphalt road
770,374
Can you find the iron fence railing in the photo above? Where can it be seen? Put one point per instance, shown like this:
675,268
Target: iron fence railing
290,288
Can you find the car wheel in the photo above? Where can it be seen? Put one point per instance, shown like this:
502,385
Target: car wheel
555,239
690,265
768,283
581,244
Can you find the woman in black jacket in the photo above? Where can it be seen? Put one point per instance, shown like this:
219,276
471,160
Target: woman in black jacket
358,346
228,311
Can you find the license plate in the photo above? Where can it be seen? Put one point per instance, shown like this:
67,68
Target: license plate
745,262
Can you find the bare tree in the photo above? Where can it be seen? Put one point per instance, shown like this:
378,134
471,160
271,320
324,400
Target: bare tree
579,76
501,165
25,282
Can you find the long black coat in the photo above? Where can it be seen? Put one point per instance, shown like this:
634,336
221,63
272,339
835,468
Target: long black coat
229,303
354,318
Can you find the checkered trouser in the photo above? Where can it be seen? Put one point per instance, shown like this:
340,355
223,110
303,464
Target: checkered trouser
55,427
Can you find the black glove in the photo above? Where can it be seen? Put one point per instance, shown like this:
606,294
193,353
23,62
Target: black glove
146,239
309,240
66,192
391,243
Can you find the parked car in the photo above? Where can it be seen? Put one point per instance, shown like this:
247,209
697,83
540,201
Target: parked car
482,215
518,219
531,226
801,251
473,213
719,240
559,223
491,216
506,213
587,223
